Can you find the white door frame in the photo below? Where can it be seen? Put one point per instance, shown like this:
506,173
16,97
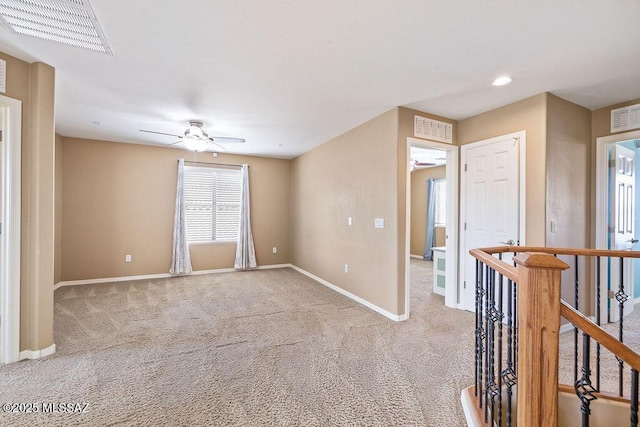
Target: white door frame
10,156
520,138
451,257
602,193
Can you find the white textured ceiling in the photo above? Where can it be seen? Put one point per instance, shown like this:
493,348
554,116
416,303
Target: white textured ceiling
288,75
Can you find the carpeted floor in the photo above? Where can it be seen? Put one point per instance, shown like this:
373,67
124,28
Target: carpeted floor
260,348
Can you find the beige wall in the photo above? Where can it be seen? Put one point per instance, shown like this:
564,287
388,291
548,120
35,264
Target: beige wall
568,197
118,199
419,196
568,172
529,115
33,84
353,175
57,276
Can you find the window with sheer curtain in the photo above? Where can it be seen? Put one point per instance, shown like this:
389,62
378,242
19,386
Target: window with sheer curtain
440,189
212,204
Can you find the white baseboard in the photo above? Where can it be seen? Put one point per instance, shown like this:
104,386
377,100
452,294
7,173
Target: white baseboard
159,276
385,313
37,354
416,256
636,301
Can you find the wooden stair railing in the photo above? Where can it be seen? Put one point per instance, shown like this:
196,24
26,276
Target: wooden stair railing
539,308
600,335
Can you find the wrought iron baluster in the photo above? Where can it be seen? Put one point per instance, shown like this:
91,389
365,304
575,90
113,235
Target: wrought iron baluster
486,344
509,373
598,321
493,316
501,316
621,297
480,334
515,328
584,389
575,328
477,369
634,398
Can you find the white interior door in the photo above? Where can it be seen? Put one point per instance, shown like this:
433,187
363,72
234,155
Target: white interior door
491,204
3,201
10,202
622,221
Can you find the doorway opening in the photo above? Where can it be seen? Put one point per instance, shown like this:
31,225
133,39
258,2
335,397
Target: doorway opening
425,153
616,215
10,200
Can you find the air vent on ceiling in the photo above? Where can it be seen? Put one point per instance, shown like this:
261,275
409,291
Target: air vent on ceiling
432,129
625,118
70,22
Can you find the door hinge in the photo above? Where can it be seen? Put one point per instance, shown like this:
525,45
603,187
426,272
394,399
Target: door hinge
611,294
464,284
612,163
465,167
465,226
611,229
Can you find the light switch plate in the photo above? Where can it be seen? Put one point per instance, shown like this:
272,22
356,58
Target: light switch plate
379,223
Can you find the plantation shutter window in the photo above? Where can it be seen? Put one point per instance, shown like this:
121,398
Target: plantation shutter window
212,204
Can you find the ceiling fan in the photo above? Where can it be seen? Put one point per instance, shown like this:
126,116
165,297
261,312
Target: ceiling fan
415,164
196,139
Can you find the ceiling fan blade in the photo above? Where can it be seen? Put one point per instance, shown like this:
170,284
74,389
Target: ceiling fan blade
421,165
226,139
177,142
161,133
218,147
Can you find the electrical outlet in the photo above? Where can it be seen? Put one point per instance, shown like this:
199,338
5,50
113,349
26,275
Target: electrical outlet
346,268
275,250
127,258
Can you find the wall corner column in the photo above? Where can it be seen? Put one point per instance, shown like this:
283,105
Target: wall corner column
38,189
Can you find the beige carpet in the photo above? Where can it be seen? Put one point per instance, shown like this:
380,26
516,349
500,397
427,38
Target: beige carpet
268,347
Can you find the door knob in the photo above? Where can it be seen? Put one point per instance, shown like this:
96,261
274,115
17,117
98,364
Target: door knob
633,241
510,242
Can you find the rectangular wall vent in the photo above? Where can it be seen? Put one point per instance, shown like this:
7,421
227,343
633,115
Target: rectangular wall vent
69,22
625,118
432,129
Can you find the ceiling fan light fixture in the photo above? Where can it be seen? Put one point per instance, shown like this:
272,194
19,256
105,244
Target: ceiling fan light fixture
195,131
195,144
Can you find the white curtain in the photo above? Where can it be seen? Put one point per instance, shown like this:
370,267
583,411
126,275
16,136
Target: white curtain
180,258
245,252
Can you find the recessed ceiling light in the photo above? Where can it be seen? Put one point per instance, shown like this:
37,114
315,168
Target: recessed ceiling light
502,80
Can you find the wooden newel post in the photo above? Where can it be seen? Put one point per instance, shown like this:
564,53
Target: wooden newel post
538,329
